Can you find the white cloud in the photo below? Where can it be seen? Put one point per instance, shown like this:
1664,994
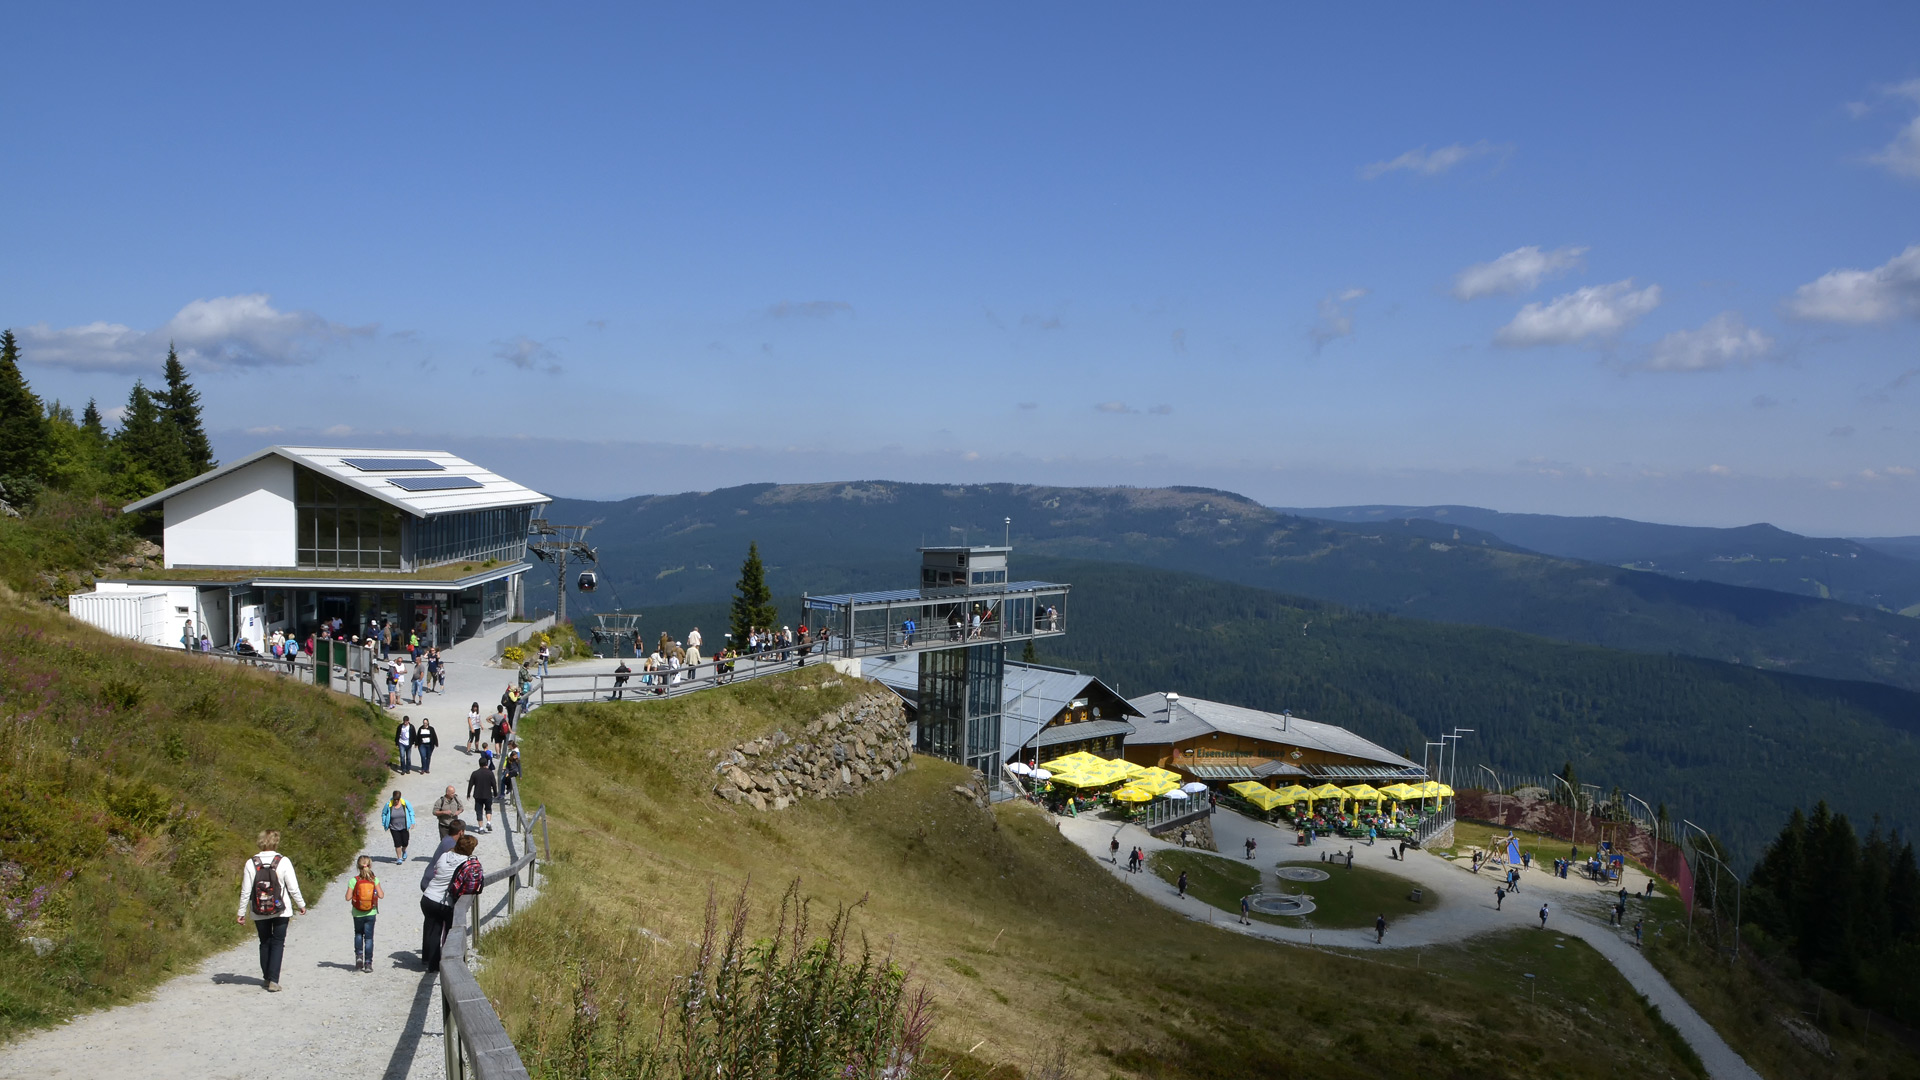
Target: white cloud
1335,318
1426,162
1520,270
1597,311
1161,410
1114,407
1881,294
1724,341
222,333
527,354
1901,157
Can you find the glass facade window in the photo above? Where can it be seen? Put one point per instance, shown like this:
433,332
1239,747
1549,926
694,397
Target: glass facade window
476,535
989,577
960,699
339,528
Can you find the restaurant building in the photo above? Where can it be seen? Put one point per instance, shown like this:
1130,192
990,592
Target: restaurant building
291,537
1211,741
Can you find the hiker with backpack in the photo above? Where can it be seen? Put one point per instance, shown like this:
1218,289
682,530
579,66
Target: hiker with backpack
269,894
453,875
501,734
397,818
364,896
509,772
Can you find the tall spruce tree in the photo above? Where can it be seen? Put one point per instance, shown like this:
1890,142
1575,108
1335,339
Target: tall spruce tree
92,423
180,406
146,448
23,425
752,601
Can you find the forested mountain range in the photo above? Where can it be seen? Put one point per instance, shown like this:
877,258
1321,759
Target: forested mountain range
1722,744
1883,573
829,537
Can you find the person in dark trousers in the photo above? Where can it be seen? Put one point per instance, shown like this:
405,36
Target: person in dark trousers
448,878
269,894
1543,916
397,818
620,675
428,740
1113,850
1499,897
1250,847
1183,884
509,774
403,738
482,786
1380,929
1637,939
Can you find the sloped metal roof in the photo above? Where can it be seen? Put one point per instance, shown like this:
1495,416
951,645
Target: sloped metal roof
1186,717
491,491
1085,729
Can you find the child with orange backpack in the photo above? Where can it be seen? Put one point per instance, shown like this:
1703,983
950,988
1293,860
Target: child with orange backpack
363,897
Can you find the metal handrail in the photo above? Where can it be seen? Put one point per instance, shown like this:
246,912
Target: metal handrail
599,686
476,1041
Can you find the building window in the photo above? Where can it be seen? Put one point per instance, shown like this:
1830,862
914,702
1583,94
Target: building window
339,528
474,536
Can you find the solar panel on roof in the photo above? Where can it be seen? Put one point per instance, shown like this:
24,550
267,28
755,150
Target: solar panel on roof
433,483
393,464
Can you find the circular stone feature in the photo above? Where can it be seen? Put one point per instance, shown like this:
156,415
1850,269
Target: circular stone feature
1300,873
1281,905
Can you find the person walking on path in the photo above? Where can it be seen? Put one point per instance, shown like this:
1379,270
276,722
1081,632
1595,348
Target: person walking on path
269,894
1113,848
1380,928
1637,939
1499,897
1183,884
1250,846
1244,921
363,898
397,818
403,738
1543,916
473,727
544,654
620,675
509,772
447,809
500,736
450,876
392,668
428,740
482,786
419,678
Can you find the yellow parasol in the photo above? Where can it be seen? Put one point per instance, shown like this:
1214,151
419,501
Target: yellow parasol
1365,792
1258,794
1325,791
1400,791
1154,785
1078,761
1132,794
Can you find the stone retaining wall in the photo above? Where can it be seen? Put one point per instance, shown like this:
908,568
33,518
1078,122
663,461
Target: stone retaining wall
838,753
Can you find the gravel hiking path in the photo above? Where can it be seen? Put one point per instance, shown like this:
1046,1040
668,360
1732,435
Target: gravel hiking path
329,1021
1464,909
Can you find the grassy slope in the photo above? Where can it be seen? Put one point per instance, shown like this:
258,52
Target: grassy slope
145,775
1028,945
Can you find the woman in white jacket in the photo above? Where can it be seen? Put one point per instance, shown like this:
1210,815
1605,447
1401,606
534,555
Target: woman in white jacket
270,893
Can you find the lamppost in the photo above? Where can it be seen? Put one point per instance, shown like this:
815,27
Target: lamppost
1427,753
1654,826
1573,799
1457,732
1708,837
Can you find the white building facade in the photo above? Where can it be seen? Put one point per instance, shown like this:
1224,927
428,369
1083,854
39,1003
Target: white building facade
299,538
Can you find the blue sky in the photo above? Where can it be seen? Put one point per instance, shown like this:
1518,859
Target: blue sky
1637,262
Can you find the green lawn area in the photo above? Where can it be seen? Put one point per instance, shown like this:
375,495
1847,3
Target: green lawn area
1347,899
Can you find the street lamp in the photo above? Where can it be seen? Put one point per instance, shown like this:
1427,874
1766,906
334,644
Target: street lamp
1654,825
1574,801
1426,754
1457,732
1490,772
1716,880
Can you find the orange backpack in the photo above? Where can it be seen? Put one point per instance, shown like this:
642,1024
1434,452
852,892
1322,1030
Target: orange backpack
366,893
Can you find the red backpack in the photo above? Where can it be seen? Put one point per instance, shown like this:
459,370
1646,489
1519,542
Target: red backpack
366,893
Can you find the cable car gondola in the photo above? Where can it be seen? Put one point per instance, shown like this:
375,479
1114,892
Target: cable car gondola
589,581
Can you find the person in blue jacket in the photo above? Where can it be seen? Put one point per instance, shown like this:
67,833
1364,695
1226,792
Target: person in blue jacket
397,818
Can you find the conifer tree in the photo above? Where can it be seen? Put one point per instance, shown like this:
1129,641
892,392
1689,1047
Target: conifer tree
92,424
146,449
23,434
180,406
752,602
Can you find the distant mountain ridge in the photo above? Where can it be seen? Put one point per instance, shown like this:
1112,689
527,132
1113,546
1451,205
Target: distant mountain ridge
686,548
1882,573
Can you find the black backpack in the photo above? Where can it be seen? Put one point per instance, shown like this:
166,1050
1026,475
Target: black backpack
266,887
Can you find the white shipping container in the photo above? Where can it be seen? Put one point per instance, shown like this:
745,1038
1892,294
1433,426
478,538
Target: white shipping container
142,616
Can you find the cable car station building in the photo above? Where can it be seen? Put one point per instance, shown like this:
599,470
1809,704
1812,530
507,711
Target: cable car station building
1213,741
957,626
289,537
